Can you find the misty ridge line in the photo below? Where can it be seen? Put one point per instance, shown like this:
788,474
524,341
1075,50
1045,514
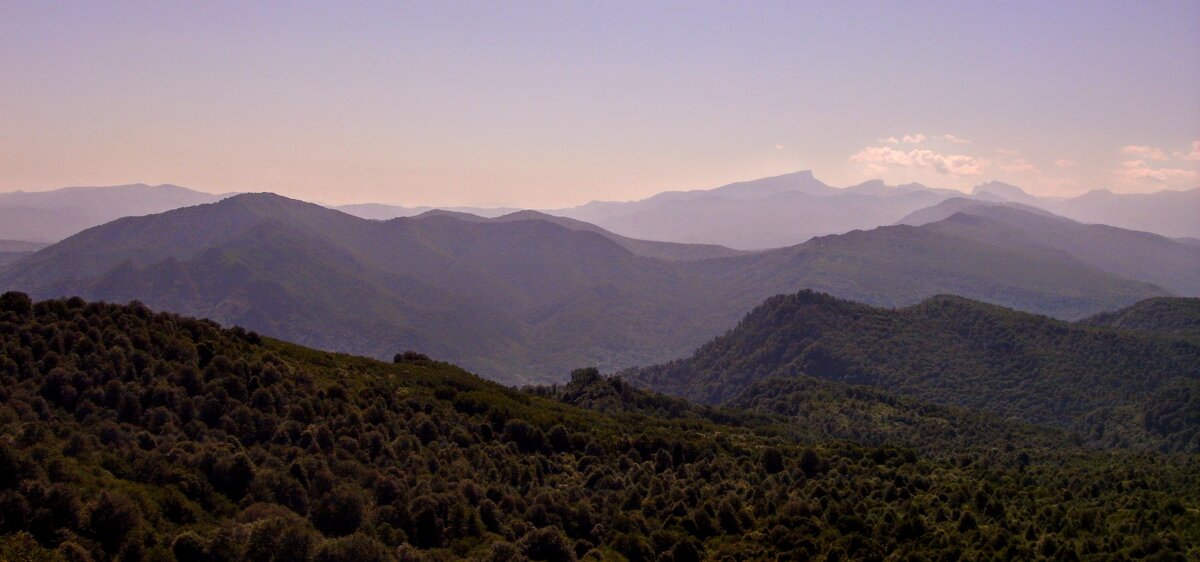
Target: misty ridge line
529,296
756,214
866,185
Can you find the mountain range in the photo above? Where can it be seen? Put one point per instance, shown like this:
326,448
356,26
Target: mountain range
50,216
750,215
527,297
671,251
1166,262
765,213
13,250
792,208
1169,213
379,211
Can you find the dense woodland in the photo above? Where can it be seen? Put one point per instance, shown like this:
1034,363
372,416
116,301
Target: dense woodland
818,409
1109,387
1170,316
127,434
808,409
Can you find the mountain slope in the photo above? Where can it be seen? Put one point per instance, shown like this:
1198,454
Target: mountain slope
823,409
1101,383
791,208
1000,192
21,246
1168,316
949,207
597,212
522,299
902,265
12,257
671,251
773,221
814,410
14,250
765,213
49,216
1146,257
378,211
1169,213
328,279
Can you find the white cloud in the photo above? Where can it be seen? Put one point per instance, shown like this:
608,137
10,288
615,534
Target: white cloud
1007,151
918,138
1145,152
1193,156
1133,171
1064,163
779,147
1017,166
879,159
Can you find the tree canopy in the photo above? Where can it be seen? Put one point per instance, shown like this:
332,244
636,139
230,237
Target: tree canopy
127,434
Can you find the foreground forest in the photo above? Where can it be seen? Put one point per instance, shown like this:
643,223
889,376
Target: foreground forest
127,434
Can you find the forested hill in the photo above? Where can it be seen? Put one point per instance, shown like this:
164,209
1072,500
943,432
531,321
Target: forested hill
821,409
132,435
1113,387
1163,315
814,410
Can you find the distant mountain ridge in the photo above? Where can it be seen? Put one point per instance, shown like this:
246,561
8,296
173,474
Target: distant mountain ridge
672,251
14,250
949,207
520,299
21,246
49,216
792,208
1168,213
765,213
756,214
380,211
1152,258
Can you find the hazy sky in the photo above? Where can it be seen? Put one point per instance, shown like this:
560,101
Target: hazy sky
542,104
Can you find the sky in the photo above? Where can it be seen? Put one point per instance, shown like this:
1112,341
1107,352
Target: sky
551,104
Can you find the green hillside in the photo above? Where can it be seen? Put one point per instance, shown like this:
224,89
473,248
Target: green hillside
1112,387
1164,315
819,409
133,435
812,410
